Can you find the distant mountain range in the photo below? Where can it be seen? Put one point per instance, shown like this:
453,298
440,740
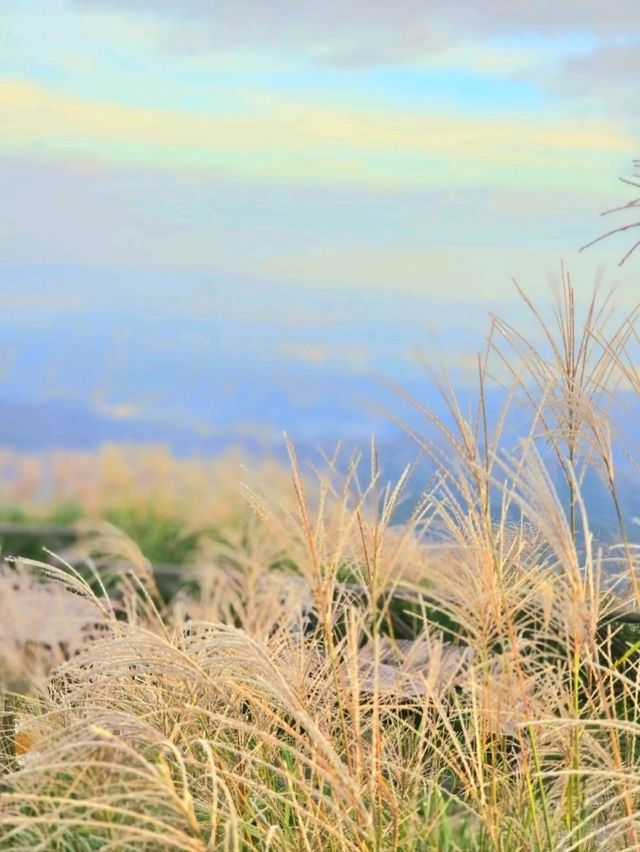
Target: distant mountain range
232,366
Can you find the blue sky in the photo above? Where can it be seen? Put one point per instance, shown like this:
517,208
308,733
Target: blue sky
381,157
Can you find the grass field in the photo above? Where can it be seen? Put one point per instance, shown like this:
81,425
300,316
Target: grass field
320,678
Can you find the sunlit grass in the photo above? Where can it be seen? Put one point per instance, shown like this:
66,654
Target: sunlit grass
328,680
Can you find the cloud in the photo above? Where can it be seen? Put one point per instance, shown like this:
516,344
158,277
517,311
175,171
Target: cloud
161,226
271,137
455,271
352,356
367,31
125,411
608,73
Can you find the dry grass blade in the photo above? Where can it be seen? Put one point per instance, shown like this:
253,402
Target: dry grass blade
635,202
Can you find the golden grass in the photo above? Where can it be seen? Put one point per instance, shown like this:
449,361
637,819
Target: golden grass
468,680
200,491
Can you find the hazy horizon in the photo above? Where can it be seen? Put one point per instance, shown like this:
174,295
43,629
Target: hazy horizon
221,222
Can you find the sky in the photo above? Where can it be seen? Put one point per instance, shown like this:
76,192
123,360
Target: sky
201,200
